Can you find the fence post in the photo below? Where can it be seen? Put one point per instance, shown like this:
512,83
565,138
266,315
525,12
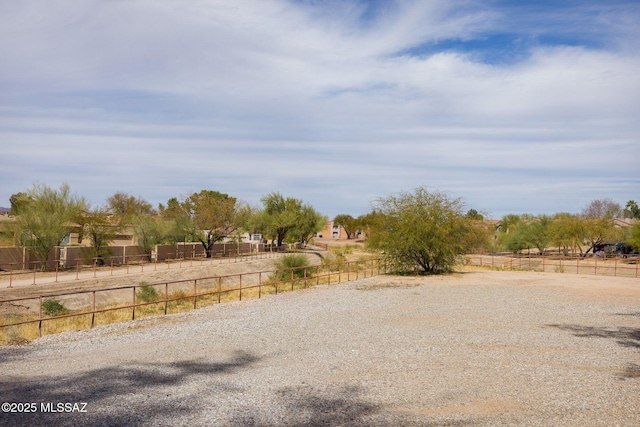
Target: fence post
219,288
93,309
195,293
240,287
166,297
133,306
40,318
34,273
259,284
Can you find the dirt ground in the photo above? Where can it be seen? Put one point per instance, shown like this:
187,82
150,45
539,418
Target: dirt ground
586,287
474,348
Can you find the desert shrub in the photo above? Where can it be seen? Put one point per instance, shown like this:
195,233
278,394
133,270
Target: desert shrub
52,307
147,294
288,262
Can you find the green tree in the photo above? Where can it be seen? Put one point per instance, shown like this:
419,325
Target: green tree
100,230
179,216
474,214
537,233
422,229
285,220
17,201
631,210
507,233
47,218
150,231
308,223
124,207
206,217
566,231
279,216
369,220
633,237
348,223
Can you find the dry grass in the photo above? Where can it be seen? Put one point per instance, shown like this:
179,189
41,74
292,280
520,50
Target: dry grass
215,291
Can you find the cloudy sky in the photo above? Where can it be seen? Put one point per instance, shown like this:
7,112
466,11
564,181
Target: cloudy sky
514,106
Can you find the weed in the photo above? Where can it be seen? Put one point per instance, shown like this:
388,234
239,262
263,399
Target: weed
147,294
14,337
52,307
291,266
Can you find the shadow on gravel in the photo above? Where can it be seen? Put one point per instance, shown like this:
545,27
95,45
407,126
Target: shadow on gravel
306,407
115,395
631,371
625,336
10,352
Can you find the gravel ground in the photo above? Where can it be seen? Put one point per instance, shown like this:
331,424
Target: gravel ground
481,348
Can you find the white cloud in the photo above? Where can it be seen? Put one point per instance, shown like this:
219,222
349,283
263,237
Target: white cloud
313,98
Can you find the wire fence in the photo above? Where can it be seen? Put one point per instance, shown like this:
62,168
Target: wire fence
53,313
92,267
617,267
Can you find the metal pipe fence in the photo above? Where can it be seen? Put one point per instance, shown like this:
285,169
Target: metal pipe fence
161,298
617,267
12,272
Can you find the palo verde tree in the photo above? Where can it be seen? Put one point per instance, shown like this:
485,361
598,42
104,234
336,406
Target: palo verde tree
150,231
46,216
633,237
423,229
308,223
566,231
278,217
528,232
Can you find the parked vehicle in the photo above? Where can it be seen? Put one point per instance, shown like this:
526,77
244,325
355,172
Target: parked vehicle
603,250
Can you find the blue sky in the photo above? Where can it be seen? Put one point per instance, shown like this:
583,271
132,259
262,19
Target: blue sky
513,106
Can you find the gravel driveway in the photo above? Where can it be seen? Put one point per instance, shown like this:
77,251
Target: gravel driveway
480,348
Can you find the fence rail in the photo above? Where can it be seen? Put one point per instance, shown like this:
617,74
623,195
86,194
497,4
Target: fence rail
16,271
618,267
161,298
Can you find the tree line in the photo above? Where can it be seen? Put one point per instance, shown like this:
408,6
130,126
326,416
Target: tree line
44,216
430,230
421,230
581,233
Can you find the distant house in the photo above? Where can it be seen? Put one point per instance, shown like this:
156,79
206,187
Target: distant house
624,222
335,231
